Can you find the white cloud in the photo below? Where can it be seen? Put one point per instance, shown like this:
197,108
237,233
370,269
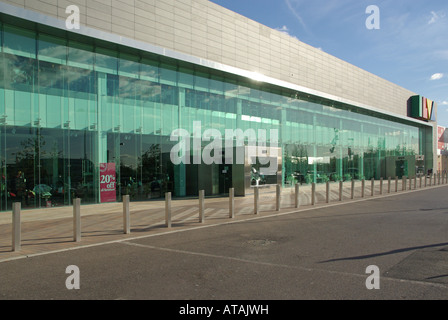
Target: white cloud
434,17
444,103
285,30
437,76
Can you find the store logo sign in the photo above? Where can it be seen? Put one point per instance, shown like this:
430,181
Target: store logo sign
220,147
422,108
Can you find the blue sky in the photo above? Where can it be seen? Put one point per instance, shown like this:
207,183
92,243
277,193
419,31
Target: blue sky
410,48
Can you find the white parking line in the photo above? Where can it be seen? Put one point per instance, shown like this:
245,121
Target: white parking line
277,265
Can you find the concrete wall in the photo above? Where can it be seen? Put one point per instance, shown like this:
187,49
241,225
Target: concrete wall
206,30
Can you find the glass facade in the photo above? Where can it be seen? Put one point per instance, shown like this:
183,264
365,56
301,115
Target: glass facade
68,107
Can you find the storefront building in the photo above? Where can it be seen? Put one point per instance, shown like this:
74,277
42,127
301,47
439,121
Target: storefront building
87,114
442,150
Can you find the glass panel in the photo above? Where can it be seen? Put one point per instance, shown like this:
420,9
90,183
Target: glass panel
216,85
201,82
129,66
80,55
106,61
168,74
21,152
19,82
1,36
128,103
19,42
149,70
52,49
156,178
2,84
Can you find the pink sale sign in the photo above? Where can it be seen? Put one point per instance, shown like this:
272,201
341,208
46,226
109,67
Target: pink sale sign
108,182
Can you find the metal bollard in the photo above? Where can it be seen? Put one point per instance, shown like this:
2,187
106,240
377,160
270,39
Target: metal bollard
352,196
415,182
403,184
381,186
327,192
297,196
126,215
363,185
396,184
256,200
16,227
278,198
168,209
341,188
77,220
420,184
313,194
231,203
201,206
388,184
372,191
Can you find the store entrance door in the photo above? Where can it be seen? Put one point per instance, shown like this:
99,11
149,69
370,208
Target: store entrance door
225,178
401,168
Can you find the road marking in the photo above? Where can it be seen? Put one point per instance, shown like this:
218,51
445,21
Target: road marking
269,264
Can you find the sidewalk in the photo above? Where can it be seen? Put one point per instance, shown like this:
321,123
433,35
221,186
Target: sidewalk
47,230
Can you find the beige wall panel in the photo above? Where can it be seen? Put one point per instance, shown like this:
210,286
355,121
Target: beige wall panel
207,30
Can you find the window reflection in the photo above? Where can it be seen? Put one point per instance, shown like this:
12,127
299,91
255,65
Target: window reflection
71,107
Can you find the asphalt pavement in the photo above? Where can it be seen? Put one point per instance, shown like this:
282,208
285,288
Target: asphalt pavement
314,253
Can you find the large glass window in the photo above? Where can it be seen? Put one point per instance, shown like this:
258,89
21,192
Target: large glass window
68,108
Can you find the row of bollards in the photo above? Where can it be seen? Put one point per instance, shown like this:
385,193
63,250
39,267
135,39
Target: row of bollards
16,223
434,179
438,179
168,212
